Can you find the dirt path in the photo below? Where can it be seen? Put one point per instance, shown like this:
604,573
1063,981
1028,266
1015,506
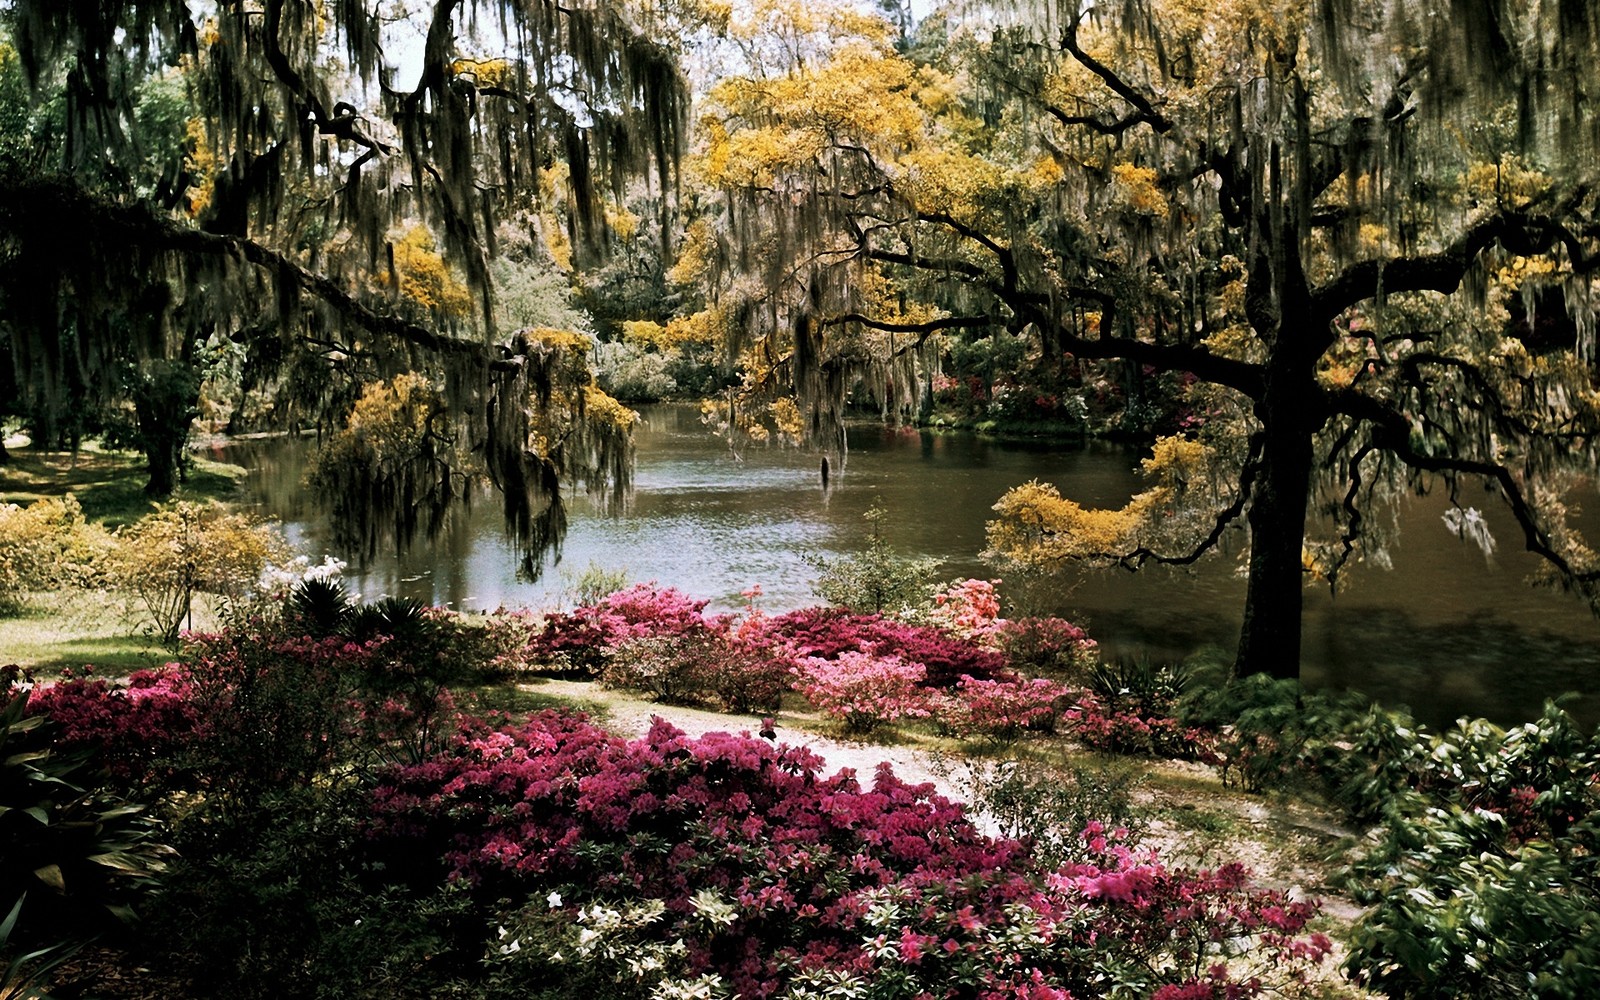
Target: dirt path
631,717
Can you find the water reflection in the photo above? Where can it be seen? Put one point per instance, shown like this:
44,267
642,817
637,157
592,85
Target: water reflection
1444,631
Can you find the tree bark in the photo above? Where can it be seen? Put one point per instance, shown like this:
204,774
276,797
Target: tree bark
1269,640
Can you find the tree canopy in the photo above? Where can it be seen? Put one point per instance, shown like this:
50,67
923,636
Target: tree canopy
1365,229
1361,232
325,184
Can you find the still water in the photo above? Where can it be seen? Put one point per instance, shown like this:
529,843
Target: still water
1446,631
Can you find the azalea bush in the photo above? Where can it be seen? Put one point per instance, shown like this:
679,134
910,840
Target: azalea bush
1108,729
581,640
137,730
863,691
75,853
727,865
1052,646
969,609
736,663
826,633
1002,709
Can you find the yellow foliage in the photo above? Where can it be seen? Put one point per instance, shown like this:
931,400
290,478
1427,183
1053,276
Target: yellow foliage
201,162
1137,190
695,254
422,276
483,72
863,95
392,417
559,340
555,241
600,407
952,182
622,222
1237,341
1040,528
1517,271
48,544
1506,182
701,329
786,417
1047,171
186,548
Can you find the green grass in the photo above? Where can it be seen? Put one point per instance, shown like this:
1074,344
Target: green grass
109,485
71,628
519,699
1201,820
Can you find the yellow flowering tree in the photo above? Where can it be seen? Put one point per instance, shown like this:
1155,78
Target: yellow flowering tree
1365,230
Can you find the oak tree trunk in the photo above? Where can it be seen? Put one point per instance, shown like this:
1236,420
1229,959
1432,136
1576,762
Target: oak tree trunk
1269,641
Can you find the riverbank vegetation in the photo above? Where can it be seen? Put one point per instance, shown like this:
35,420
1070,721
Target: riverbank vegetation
339,799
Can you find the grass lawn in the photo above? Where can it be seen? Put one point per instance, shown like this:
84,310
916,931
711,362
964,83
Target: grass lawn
69,628
109,485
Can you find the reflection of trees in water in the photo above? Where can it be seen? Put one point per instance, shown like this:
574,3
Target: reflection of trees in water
1443,670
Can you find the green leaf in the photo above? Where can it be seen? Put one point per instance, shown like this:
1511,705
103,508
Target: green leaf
51,876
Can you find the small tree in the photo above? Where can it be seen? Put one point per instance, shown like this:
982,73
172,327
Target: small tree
186,548
875,579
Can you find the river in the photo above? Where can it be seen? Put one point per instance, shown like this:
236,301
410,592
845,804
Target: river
1445,631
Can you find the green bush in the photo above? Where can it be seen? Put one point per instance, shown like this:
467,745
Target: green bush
1484,879
1269,733
875,580
47,545
1049,806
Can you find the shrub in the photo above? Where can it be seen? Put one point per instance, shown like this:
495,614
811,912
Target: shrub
737,664
74,855
1000,710
666,866
47,545
1483,880
1051,646
1051,807
875,580
863,691
1264,733
137,732
183,549
1125,731
584,638
968,609
278,709
827,633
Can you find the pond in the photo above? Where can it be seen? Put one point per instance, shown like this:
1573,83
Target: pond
1445,631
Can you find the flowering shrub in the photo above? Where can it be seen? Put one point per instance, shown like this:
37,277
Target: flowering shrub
1128,731
969,609
863,691
826,633
582,639
1047,645
729,865
737,664
1000,710
136,731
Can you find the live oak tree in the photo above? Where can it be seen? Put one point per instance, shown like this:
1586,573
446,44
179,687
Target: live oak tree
1367,229
330,195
